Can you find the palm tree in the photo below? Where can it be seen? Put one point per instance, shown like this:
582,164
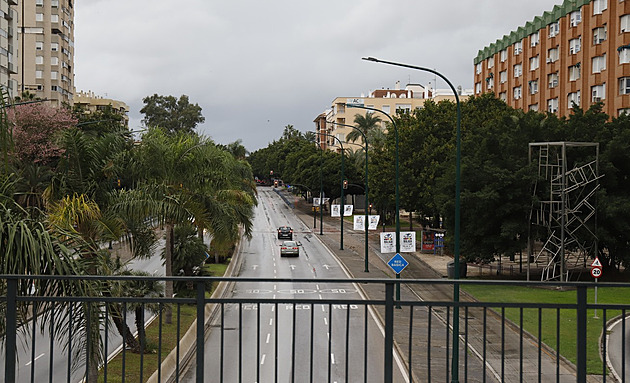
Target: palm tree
366,124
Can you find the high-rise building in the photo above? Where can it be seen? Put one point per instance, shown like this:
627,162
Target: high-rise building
579,52
8,40
46,49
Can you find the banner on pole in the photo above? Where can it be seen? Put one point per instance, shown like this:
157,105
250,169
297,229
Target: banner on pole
388,244
335,210
407,243
373,222
347,210
359,223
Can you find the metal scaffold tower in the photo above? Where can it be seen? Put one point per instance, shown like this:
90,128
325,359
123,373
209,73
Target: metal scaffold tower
564,206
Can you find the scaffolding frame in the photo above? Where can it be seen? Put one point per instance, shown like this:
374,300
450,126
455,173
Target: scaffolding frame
565,203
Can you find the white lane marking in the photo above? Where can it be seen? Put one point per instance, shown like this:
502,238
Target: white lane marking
320,297
39,356
275,287
326,321
270,321
327,267
317,287
262,360
268,337
275,271
323,309
332,358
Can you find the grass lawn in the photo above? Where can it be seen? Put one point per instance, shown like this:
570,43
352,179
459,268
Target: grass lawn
568,321
131,361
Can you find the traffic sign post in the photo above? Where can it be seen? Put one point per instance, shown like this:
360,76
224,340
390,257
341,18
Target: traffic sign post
596,272
398,264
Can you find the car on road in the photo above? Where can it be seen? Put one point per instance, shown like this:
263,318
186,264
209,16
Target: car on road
285,232
290,248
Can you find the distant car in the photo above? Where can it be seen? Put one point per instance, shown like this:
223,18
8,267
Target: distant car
285,232
289,248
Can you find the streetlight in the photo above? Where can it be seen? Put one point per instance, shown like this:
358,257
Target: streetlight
314,213
342,202
365,190
455,361
397,194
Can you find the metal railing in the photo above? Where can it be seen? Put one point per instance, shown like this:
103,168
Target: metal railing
313,330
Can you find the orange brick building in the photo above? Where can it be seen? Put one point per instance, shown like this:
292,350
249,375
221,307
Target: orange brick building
578,52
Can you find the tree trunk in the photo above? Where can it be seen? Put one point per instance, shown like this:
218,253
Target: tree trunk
142,337
168,265
123,328
410,221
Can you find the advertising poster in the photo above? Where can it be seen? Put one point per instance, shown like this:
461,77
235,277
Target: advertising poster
359,222
408,242
316,201
387,243
335,210
347,210
428,241
373,222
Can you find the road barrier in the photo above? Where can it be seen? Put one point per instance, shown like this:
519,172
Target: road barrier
317,330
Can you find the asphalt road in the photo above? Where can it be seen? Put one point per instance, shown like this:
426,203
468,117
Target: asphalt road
262,342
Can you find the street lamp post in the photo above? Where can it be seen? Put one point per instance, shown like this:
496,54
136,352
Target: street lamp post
342,201
455,360
367,269
396,176
314,212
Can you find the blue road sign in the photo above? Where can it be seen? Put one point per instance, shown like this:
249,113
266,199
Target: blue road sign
398,263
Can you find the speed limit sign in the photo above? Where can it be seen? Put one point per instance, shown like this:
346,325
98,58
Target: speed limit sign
596,272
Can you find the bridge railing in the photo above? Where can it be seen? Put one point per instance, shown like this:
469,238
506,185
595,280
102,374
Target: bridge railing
309,330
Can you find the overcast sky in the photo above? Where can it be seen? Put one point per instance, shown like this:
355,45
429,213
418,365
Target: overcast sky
255,66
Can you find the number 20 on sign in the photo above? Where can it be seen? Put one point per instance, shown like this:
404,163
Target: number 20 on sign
596,272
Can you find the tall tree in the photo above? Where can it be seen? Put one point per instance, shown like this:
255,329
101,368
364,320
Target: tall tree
171,114
367,124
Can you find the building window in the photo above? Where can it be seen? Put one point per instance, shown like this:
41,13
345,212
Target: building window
490,82
503,96
478,68
599,63
533,107
39,74
552,78
39,45
39,59
491,62
624,54
54,18
54,3
623,111
574,72
54,60
477,88
518,48
624,23
599,35
386,109
53,75
572,98
39,2
503,55
624,85
553,54
598,92
575,17
517,92
503,77
599,6
552,105
575,45
518,70
534,39
533,87
54,47
39,17
533,63
554,29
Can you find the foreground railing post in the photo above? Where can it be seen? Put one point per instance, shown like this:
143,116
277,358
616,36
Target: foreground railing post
581,334
201,296
11,331
389,333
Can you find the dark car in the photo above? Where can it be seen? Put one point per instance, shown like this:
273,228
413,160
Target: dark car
290,248
285,232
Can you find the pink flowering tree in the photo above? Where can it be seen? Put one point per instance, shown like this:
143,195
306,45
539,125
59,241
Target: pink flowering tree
35,130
